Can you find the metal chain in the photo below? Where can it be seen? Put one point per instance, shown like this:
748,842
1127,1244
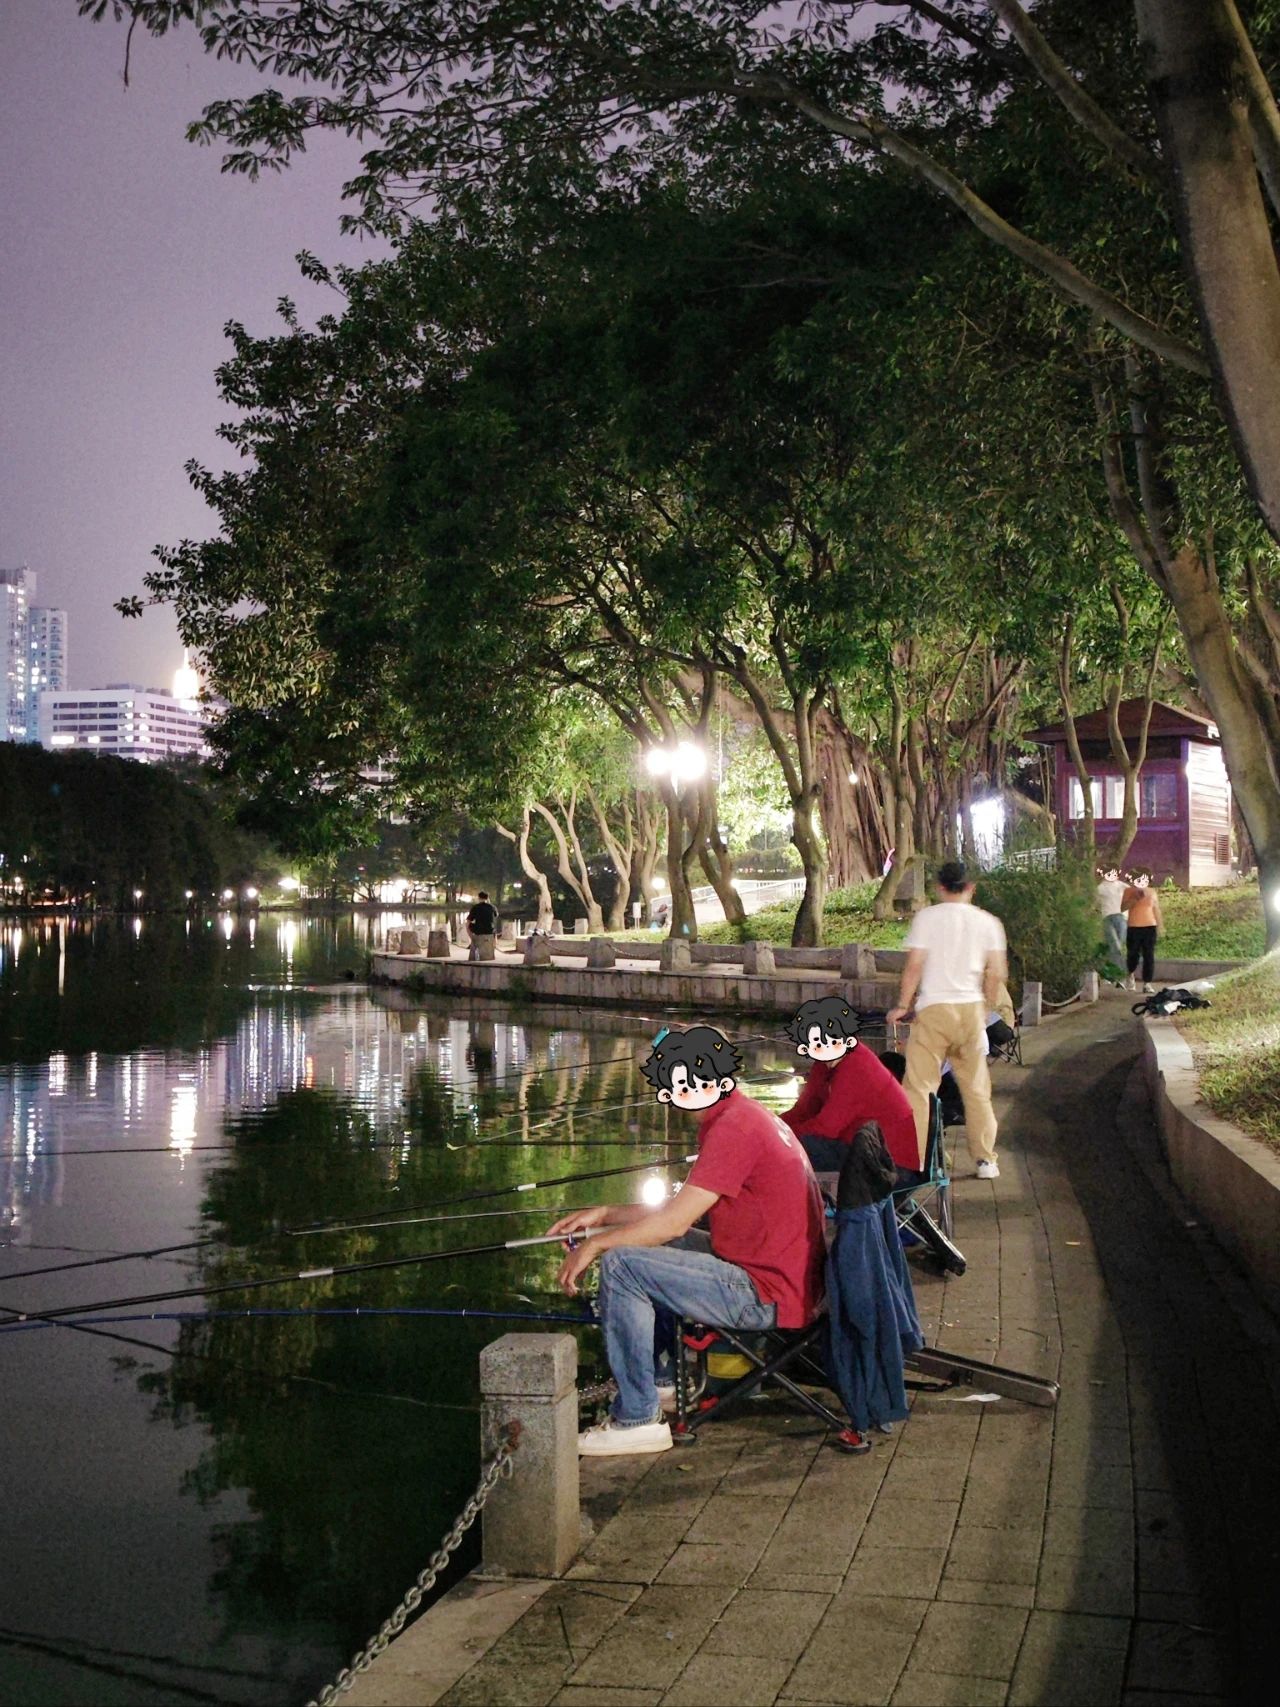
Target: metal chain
594,1394
498,1469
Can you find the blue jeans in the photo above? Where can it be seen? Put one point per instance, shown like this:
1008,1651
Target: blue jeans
683,1278
1115,927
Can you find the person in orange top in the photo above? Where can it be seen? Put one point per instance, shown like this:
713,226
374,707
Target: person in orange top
1141,907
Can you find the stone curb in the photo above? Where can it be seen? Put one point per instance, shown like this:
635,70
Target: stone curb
1232,1180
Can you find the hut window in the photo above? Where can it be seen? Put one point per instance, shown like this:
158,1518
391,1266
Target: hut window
1159,795
1075,796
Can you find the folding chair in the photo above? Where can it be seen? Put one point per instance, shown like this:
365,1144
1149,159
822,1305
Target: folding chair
782,1357
925,1209
1004,1042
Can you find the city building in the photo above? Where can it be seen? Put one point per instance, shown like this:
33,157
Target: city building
46,660
33,654
123,719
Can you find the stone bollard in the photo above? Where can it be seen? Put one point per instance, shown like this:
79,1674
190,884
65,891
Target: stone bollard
758,960
532,1526
674,956
486,947
437,945
580,927
557,928
1032,993
537,951
857,962
600,954
407,943
1089,988
393,942
507,930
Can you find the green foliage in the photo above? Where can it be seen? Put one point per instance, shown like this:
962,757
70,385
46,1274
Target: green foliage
847,918
1236,1043
96,829
1212,924
1051,920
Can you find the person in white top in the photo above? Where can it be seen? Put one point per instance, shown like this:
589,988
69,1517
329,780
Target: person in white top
956,965
1115,925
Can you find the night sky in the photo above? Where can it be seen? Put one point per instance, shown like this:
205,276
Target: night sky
124,252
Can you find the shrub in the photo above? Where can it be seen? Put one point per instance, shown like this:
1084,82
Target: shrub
1051,920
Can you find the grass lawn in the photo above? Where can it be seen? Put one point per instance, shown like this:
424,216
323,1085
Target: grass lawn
1212,924
847,919
1236,1044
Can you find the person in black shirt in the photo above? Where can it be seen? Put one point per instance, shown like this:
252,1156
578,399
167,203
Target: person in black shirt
482,920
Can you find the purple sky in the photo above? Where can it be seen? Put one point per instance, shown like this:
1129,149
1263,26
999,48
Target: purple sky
124,252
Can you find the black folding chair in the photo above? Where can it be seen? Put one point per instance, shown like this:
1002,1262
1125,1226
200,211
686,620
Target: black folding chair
925,1210
1004,1042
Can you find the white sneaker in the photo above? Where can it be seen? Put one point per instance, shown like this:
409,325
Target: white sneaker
988,1170
611,1440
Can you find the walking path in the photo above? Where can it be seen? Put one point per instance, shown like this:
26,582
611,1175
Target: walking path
1121,1549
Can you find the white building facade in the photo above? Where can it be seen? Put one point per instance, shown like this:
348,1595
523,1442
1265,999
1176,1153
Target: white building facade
128,721
33,654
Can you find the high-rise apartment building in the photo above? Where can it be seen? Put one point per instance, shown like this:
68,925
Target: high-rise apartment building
33,654
46,660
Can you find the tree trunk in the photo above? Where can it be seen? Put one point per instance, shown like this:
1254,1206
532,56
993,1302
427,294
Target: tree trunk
1197,75
807,930
853,815
579,881
682,924
531,871
714,856
1073,742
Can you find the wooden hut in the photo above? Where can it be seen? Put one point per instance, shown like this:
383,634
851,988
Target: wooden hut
1184,797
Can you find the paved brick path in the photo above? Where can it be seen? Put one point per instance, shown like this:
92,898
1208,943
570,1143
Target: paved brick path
1117,1550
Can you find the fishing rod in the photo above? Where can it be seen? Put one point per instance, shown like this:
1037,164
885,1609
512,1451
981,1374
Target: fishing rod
66,1311
458,1312
474,1197
368,1144
104,1258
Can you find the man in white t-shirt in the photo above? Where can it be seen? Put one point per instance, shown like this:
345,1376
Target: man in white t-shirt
1114,923
955,967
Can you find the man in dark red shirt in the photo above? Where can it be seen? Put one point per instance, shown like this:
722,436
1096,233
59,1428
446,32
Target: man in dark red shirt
846,1087
760,1266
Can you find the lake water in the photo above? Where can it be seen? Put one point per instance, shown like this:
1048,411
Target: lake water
223,1512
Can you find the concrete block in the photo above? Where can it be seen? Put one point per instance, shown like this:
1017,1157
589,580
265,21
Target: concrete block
437,944
537,951
1089,986
1032,996
581,927
857,960
557,928
484,948
508,930
392,945
675,956
758,960
532,1526
600,954
406,942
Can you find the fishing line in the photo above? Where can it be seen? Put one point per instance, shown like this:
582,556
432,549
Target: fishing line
451,1312
477,1197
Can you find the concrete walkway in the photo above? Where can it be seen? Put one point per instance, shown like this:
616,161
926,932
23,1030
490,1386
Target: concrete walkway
1120,1549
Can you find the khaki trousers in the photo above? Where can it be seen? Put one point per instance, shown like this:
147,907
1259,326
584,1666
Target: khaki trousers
952,1031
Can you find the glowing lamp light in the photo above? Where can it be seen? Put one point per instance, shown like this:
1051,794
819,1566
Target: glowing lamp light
189,893
290,883
250,894
137,894
186,680
228,894
657,761
653,1192
659,883
853,776
685,762
1275,901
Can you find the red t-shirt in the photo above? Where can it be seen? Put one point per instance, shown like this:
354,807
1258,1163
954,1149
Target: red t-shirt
837,1100
769,1217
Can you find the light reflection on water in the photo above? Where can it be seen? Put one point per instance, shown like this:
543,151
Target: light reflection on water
239,1518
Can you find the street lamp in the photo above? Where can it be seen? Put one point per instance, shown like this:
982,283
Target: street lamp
685,762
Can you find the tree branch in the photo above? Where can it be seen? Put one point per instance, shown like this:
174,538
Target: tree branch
1264,116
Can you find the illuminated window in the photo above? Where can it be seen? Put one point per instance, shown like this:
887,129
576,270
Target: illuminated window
1158,795
1075,797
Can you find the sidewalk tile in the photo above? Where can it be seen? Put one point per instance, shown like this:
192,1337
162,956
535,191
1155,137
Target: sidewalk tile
1109,1485
663,1629
1095,1581
1070,1659
858,1653
596,1695
1086,1528
726,1519
972,1641
987,1594
897,1522
723,1680
926,1478
921,1688
767,1623
525,1681
570,1615
979,1553
724,1562
909,1573
1168,1656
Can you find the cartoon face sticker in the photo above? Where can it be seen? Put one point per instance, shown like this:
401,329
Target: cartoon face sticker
692,1069
824,1030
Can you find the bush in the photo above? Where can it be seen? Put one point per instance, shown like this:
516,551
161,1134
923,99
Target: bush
1052,922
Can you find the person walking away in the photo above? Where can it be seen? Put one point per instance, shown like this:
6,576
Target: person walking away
1142,910
482,920
956,964
1115,926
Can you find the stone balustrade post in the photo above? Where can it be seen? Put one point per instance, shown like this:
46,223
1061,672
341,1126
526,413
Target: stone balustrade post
486,947
674,956
857,962
758,959
537,951
1032,996
1089,986
407,943
437,945
581,927
600,954
532,1525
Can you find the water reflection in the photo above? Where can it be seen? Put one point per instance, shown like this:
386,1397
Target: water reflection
273,1479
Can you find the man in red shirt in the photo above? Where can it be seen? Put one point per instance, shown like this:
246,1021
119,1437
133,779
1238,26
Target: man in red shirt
846,1087
760,1265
